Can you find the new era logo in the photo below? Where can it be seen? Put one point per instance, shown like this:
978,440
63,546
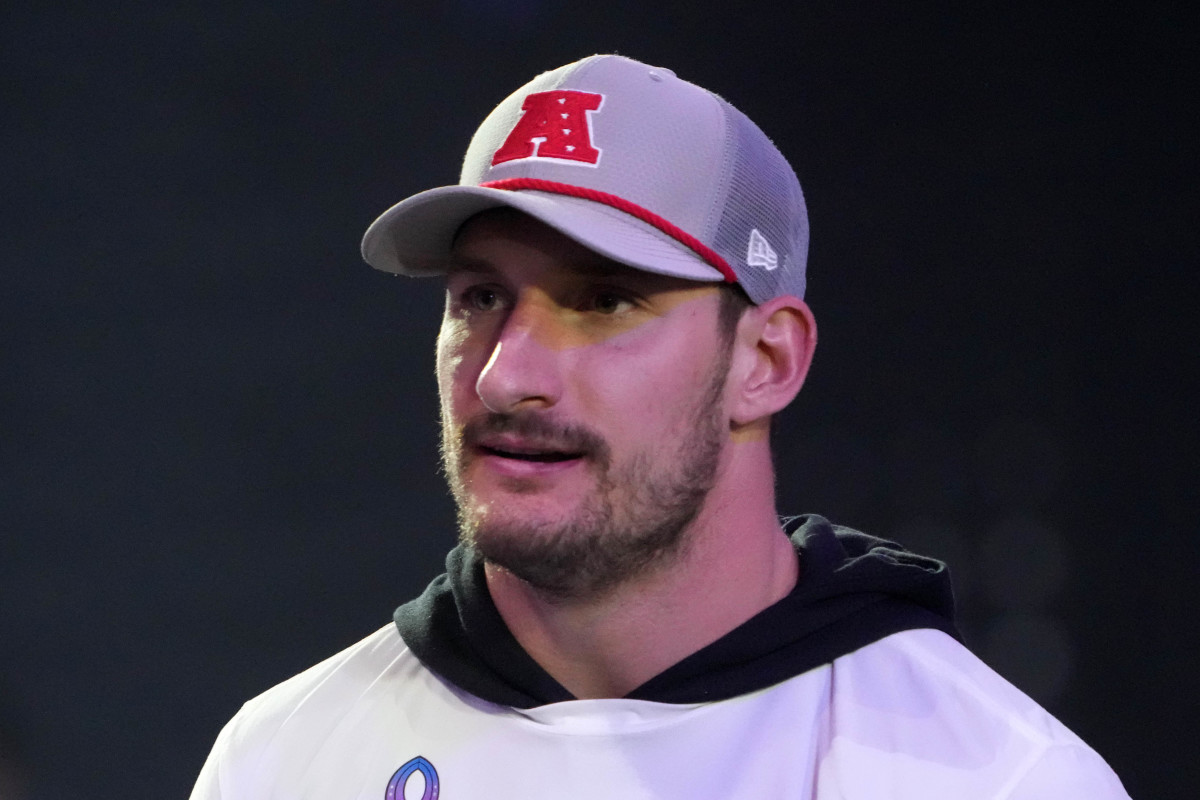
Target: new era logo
555,125
760,253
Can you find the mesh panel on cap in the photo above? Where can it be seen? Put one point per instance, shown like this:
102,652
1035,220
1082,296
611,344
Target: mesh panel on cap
764,195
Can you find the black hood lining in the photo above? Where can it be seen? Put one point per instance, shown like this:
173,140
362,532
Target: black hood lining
854,589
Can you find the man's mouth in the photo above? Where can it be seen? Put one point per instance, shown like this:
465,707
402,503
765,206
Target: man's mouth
527,444
543,456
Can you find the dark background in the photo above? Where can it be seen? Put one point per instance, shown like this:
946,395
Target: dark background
217,455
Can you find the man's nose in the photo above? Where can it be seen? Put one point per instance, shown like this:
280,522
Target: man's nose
524,368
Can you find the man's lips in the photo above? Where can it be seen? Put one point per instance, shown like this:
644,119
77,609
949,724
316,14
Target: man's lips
529,445
520,450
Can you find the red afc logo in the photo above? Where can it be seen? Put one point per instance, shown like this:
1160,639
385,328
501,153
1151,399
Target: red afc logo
554,125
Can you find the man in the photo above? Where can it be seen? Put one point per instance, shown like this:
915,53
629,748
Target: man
626,615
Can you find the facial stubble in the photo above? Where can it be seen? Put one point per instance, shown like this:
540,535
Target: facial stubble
633,521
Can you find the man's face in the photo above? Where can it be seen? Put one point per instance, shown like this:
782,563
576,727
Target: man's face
582,405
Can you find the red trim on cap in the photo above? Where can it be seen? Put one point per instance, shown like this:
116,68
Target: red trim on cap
621,204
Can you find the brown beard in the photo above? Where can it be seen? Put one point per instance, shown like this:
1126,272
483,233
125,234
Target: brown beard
631,523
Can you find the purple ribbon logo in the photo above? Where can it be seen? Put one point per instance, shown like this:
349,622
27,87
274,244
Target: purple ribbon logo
395,789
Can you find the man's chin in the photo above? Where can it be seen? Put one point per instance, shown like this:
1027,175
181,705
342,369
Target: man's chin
524,503
554,570
537,541
501,523
571,558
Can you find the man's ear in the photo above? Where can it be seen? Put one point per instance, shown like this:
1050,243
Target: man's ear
771,355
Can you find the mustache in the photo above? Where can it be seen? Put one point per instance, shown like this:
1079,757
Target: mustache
538,429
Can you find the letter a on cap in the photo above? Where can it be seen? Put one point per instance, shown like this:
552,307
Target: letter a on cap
554,125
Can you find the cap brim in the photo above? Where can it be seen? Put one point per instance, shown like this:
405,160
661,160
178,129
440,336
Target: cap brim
414,236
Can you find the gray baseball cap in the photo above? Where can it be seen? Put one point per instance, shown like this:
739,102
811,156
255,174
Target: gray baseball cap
629,161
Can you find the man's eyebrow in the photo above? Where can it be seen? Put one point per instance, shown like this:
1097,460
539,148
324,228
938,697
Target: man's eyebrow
459,264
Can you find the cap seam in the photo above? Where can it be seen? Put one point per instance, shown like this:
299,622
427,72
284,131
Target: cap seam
720,198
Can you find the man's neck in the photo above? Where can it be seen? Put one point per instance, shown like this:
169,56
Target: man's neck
737,561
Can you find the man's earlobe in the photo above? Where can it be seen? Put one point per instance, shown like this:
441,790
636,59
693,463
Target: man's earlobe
774,348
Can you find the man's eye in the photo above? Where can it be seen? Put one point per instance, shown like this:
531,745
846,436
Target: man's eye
481,298
608,303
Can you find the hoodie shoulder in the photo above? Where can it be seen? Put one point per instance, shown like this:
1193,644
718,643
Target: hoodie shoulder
923,710
299,711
